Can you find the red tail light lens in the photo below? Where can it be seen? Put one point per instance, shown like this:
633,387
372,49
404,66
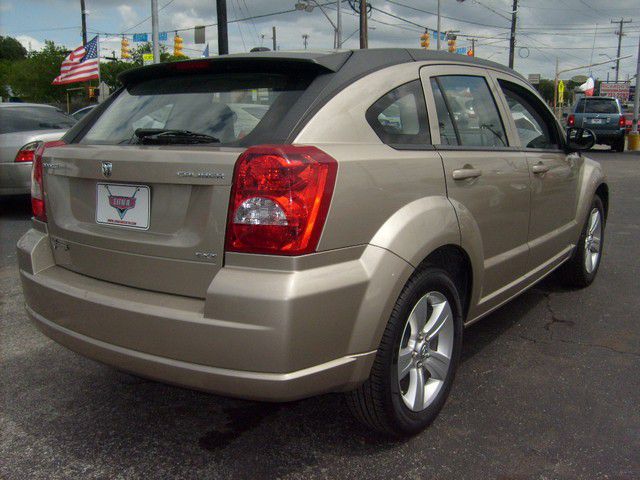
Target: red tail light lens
571,120
280,199
37,185
622,122
27,152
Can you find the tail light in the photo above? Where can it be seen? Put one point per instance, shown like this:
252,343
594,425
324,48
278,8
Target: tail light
280,199
27,152
622,122
37,186
571,120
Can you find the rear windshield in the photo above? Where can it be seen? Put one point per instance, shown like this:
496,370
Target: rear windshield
597,105
24,119
230,107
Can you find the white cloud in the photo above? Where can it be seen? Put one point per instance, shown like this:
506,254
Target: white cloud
128,14
30,43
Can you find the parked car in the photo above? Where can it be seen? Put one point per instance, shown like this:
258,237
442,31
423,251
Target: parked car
329,248
24,124
602,115
81,112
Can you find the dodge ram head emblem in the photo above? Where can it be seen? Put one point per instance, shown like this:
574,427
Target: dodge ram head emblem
106,168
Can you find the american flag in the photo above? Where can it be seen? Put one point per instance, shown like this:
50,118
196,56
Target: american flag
80,65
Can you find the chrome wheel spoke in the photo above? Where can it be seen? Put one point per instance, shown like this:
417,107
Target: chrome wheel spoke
594,221
405,362
418,317
593,241
416,389
437,365
440,315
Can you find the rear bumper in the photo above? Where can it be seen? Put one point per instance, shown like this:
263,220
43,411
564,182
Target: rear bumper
608,135
278,344
15,178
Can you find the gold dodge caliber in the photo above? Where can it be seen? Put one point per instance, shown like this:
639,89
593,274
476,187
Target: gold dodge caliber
274,226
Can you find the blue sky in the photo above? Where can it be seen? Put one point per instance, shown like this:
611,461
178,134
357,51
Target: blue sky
550,28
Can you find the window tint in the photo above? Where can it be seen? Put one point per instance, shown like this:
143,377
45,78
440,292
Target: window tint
24,119
528,115
400,116
597,105
473,110
229,107
447,131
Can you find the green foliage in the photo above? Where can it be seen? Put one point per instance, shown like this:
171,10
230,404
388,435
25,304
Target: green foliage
31,77
11,49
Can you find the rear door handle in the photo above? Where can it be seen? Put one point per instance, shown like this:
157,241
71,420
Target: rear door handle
540,168
463,173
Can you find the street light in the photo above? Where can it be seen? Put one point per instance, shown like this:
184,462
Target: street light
309,5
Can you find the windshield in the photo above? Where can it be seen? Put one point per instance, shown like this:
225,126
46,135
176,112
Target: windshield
24,119
597,105
227,107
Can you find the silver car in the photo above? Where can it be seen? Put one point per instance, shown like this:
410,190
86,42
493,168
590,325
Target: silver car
22,124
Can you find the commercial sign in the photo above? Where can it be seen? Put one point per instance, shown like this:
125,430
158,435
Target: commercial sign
140,37
147,58
534,78
619,90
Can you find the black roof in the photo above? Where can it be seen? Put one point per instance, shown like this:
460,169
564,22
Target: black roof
349,63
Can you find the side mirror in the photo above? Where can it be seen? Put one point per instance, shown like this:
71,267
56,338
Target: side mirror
579,139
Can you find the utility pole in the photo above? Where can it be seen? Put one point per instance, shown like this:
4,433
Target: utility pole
619,33
636,96
512,38
338,25
473,47
83,11
154,31
223,35
364,37
273,37
438,28
305,37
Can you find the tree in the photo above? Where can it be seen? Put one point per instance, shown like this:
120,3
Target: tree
11,49
31,77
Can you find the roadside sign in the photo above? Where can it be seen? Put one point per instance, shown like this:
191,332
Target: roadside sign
619,90
162,36
147,58
140,37
534,78
560,91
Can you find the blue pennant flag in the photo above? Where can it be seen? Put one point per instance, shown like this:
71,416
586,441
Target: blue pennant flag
205,53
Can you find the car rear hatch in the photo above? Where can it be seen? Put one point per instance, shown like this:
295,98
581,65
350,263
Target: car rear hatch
153,215
597,114
177,248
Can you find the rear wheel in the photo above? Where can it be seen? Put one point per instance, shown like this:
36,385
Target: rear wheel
618,146
581,269
417,358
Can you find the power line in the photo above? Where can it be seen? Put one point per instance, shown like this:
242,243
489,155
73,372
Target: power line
445,16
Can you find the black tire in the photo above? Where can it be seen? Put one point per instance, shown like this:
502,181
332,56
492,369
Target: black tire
574,273
378,402
618,146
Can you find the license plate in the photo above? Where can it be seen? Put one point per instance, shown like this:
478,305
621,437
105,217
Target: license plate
597,120
123,205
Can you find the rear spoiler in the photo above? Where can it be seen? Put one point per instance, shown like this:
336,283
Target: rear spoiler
272,62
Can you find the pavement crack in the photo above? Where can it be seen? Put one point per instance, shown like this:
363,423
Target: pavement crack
580,344
554,316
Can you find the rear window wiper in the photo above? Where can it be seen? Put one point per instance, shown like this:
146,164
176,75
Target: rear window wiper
165,135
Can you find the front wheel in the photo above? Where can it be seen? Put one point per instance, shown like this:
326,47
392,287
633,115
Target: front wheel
417,358
581,269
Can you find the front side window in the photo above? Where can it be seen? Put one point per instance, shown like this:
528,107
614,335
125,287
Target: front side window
227,107
528,115
472,110
400,116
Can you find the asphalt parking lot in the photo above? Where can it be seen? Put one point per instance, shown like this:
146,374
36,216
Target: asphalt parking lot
549,388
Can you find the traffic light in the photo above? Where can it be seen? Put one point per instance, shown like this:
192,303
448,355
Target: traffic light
470,53
451,41
177,46
124,49
425,39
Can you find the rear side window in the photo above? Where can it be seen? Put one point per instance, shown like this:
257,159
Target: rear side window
24,119
597,105
230,107
472,110
399,117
